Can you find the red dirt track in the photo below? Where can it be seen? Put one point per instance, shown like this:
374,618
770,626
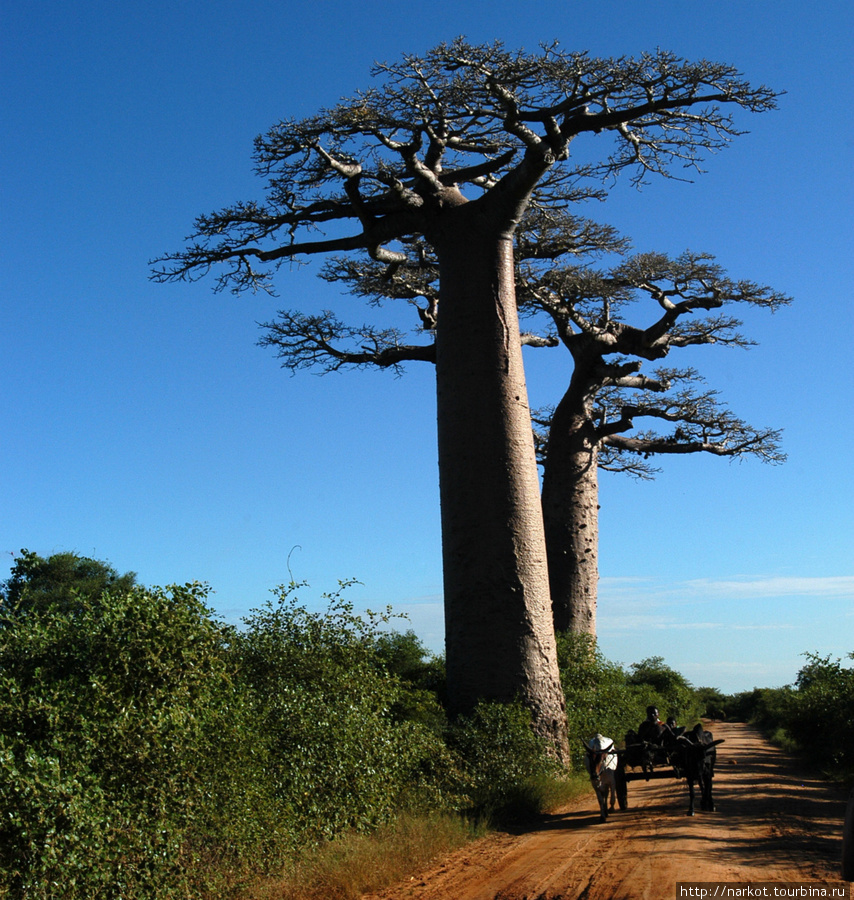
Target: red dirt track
772,824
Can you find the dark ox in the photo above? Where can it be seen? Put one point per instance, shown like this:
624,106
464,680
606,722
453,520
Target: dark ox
692,756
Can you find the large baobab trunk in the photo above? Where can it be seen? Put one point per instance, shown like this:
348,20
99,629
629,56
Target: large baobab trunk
499,634
571,516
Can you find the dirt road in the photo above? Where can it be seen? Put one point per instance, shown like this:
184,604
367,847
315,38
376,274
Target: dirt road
772,824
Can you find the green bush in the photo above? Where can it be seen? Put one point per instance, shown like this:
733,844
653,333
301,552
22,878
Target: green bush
147,751
713,702
814,717
64,581
104,708
820,718
598,698
339,753
504,763
422,676
667,689
767,708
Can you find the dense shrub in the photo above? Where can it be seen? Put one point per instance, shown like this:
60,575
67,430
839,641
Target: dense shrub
598,697
820,718
504,763
714,703
422,675
148,751
766,707
64,581
339,755
104,706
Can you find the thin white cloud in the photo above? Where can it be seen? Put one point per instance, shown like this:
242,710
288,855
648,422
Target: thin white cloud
726,665
639,622
777,586
739,587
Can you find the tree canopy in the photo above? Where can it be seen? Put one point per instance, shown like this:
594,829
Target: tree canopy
63,581
464,122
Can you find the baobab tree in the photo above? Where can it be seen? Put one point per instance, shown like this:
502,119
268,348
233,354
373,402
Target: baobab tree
609,398
609,395
454,146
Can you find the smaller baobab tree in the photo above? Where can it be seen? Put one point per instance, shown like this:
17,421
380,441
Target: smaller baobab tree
613,415
616,416
615,420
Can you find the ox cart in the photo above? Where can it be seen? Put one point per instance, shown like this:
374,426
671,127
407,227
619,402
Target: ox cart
673,755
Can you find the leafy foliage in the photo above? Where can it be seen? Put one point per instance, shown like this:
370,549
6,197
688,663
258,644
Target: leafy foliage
667,689
598,697
713,702
602,697
104,706
821,720
147,750
422,674
339,753
765,707
60,581
504,761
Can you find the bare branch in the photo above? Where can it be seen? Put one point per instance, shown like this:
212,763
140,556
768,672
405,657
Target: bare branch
384,164
325,344
701,424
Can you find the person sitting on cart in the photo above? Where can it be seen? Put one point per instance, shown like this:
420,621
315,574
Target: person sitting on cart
676,729
651,727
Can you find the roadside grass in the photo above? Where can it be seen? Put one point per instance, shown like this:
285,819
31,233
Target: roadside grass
537,795
835,773
356,864
782,739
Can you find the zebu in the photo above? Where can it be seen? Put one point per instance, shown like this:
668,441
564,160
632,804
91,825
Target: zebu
600,760
693,757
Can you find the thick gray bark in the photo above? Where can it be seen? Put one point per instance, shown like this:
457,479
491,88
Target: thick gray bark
571,515
499,632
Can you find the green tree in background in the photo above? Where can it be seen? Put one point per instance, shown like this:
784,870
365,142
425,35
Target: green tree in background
667,689
60,581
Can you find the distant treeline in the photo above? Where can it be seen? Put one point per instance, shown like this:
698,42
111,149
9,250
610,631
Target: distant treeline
149,750
814,717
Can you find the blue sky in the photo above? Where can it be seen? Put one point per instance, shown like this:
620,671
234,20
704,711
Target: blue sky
141,424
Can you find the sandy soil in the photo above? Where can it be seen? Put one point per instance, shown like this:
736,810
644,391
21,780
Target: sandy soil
772,824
